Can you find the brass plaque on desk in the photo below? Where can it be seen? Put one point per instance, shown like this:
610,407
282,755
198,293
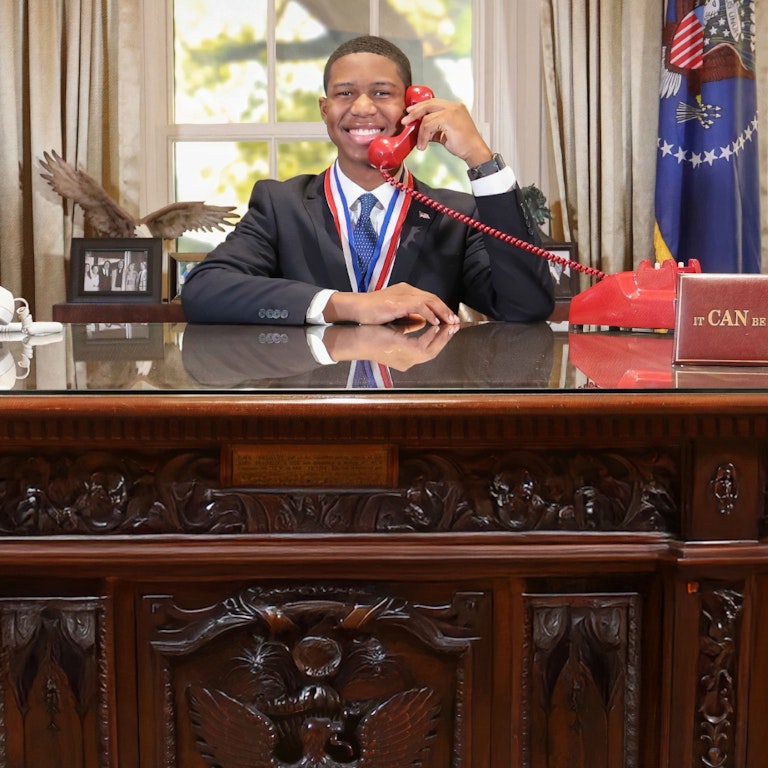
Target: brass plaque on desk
310,466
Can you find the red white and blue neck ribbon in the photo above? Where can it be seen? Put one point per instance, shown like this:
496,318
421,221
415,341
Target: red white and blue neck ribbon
383,259
376,375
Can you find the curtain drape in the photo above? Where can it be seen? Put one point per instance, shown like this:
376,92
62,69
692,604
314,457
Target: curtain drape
75,91
761,18
601,64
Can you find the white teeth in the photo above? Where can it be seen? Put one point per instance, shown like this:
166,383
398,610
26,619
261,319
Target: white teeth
364,131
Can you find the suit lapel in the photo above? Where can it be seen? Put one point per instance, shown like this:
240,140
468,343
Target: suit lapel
417,221
329,244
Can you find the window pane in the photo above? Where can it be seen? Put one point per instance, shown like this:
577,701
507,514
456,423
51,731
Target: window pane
297,157
219,173
220,62
437,37
305,36
221,77
439,168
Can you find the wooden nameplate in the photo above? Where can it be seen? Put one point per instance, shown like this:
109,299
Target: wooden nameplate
722,320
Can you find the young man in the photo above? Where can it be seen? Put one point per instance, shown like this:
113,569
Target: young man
293,258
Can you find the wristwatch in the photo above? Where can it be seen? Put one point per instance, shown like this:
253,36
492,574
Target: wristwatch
494,165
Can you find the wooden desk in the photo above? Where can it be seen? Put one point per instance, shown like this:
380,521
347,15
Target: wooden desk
552,578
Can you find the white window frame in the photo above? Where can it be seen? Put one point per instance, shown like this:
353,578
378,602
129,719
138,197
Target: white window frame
508,104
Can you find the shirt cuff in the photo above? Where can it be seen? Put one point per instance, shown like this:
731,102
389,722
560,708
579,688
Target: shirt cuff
495,184
317,307
317,345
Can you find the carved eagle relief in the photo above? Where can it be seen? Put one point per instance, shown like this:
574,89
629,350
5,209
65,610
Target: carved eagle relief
231,734
108,218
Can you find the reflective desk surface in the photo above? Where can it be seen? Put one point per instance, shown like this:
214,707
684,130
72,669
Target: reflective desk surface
498,357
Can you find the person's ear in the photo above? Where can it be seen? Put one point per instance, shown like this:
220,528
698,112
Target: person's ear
323,104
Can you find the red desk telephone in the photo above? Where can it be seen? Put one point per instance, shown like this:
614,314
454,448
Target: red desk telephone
641,299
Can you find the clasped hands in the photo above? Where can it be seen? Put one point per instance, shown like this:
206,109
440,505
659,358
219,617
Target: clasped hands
399,346
395,302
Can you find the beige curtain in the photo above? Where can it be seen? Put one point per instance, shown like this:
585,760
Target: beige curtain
75,91
601,68
761,18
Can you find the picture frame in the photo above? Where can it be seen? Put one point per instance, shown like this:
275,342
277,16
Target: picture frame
111,342
566,279
178,266
115,270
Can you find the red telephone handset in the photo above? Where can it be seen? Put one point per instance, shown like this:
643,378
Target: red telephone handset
389,151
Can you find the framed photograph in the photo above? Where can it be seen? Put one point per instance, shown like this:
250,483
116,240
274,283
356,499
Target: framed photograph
179,265
117,341
567,280
118,271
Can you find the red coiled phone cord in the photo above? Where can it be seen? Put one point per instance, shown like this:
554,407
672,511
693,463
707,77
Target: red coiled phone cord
485,229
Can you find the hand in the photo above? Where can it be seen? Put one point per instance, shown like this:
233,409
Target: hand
450,124
387,305
399,346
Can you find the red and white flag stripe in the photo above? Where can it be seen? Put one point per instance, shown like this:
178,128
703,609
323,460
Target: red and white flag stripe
687,50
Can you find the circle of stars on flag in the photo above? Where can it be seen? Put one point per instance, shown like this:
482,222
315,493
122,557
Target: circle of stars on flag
709,157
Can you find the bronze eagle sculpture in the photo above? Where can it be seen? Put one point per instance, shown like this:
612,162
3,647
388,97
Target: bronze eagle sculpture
111,220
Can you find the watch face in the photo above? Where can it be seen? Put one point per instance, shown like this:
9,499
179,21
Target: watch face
496,163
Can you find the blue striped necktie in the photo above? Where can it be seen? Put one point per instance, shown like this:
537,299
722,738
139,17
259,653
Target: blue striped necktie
365,235
363,376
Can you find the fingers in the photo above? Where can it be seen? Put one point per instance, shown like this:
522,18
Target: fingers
439,120
425,305
450,124
432,312
409,324
442,314
433,340
409,350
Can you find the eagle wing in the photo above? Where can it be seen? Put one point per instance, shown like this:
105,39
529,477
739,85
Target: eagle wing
395,733
175,219
101,211
229,733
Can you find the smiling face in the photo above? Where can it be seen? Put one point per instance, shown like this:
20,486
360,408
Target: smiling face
365,99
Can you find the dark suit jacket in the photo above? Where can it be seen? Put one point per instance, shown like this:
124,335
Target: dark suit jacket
286,248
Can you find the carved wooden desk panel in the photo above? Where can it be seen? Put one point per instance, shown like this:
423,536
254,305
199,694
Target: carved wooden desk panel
569,579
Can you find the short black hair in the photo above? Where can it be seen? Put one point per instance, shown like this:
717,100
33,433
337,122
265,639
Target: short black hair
370,44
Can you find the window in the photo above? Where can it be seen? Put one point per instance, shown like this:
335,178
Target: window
232,88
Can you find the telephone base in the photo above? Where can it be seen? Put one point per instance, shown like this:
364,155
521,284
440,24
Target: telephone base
31,329
623,360
644,298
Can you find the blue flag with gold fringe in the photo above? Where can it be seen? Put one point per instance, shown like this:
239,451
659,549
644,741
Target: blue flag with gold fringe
707,169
